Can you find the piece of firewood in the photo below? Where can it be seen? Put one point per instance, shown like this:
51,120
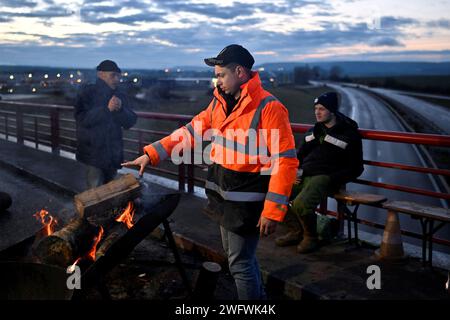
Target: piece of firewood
63,247
113,235
114,194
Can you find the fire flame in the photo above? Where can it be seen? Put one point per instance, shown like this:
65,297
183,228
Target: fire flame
91,253
47,221
127,215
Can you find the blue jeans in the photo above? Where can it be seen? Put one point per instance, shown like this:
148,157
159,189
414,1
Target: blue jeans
96,177
241,253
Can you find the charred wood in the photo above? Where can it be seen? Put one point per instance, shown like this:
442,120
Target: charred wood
63,247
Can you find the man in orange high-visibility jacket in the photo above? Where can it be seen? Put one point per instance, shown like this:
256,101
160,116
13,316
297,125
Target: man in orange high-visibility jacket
247,188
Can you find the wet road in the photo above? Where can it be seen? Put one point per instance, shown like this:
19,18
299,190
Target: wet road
439,115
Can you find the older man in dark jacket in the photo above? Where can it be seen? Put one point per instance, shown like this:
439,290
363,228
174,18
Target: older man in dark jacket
101,111
330,156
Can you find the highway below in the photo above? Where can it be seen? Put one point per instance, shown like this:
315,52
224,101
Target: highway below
372,113
438,115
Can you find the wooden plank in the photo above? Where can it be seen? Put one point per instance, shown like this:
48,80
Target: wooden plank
357,197
417,209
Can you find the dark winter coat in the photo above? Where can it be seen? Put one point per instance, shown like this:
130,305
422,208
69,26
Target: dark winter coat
336,151
99,131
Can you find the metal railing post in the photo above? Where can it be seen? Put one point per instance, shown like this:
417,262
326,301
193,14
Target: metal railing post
6,127
36,133
181,170
19,125
190,174
181,178
54,127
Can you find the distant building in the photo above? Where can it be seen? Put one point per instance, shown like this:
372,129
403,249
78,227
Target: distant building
193,82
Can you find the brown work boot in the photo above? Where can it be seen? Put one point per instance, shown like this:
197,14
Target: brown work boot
295,230
308,245
289,239
310,242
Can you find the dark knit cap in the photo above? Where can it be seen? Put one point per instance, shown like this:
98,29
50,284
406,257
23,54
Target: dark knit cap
329,100
108,65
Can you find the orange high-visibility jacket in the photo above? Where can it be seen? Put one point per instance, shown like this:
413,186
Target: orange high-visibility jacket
240,186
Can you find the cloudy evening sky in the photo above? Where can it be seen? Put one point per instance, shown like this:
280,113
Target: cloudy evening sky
158,34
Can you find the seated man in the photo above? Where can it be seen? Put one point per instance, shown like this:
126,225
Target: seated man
330,156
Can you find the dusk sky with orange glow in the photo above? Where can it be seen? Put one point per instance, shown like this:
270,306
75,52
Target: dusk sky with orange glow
157,34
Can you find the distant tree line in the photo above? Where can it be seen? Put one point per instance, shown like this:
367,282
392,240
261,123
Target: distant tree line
426,84
302,75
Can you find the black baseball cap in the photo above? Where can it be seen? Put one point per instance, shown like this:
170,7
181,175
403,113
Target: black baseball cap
232,53
108,65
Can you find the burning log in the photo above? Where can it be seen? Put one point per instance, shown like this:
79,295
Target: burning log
120,241
114,194
5,201
80,237
118,230
63,247
113,235
83,237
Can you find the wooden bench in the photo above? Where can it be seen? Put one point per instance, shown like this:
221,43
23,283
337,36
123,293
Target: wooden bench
426,215
352,198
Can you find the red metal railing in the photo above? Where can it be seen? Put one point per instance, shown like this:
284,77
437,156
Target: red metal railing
51,126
